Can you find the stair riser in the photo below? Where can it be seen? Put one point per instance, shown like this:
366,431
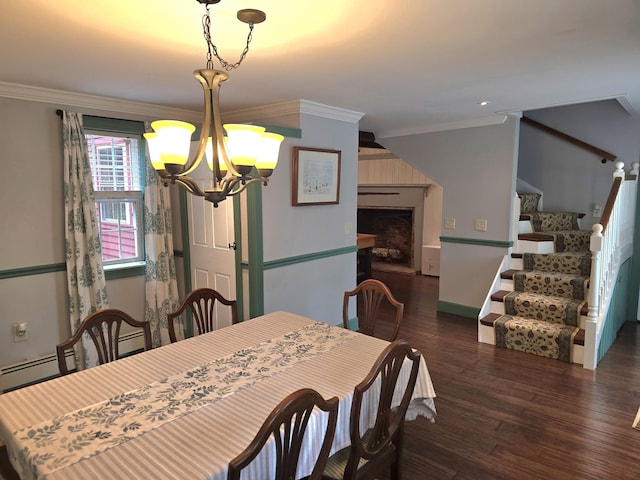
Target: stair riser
535,247
516,264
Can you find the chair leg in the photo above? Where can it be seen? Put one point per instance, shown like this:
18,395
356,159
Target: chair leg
396,465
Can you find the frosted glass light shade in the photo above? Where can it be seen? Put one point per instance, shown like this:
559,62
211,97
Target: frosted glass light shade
154,150
173,139
269,150
243,144
209,154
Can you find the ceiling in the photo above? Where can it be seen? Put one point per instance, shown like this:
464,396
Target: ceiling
410,66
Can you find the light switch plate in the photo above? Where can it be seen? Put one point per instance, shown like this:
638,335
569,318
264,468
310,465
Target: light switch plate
481,224
450,223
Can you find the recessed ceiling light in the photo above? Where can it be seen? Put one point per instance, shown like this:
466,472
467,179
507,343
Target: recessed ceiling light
484,103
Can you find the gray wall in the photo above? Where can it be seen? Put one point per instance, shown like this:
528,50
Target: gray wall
32,211
569,177
476,168
312,288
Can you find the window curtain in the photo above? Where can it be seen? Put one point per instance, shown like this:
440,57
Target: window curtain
85,275
161,286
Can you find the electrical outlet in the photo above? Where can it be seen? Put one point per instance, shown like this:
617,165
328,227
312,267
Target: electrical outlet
597,211
20,332
481,224
450,223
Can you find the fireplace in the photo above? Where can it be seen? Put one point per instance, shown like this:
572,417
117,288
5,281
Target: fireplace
394,230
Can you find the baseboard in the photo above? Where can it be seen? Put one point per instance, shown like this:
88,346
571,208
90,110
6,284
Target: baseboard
456,309
44,368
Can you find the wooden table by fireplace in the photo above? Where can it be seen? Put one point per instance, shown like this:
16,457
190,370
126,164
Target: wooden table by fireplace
365,242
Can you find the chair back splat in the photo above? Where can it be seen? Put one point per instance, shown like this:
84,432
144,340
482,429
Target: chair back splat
370,295
287,424
379,449
103,327
202,303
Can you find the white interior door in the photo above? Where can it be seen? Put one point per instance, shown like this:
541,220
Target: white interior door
210,236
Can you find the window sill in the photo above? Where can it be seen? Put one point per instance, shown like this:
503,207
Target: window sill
116,271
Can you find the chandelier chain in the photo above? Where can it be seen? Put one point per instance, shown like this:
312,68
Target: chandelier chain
212,50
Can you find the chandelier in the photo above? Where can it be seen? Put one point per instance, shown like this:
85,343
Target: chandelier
247,154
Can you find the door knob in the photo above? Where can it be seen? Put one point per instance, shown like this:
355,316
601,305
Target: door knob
233,246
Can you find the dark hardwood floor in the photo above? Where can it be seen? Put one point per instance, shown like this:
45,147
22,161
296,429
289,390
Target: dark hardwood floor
509,415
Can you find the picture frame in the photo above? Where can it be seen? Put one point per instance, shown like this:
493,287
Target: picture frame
315,176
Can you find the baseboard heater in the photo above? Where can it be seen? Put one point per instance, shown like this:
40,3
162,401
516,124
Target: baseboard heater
44,368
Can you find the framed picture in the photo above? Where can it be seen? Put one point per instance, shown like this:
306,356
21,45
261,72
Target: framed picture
316,176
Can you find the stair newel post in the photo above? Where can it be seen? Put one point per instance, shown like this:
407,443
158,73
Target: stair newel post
591,327
635,166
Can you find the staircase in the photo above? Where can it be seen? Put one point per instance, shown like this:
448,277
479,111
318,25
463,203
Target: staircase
541,306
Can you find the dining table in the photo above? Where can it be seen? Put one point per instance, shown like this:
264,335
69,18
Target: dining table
184,410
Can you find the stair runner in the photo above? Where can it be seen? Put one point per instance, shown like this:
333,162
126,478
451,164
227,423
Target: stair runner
542,313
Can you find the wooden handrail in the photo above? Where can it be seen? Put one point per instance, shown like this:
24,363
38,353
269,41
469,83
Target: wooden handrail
611,200
568,138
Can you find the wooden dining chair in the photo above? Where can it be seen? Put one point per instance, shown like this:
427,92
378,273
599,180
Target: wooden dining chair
379,449
287,424
202,304
370,294
103,327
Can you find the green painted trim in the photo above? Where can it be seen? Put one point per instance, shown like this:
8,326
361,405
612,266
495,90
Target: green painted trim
634,277
186,255
289,132
618,312
457,309
125,272
115,274
353,324
309,257
115,125
477,241
255,252
37,270
237,233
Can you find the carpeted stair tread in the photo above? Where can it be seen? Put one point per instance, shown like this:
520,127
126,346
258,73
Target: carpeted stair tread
575,263
549,283
541,338
544,307
501,294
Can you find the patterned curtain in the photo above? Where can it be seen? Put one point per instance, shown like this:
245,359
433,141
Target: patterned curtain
85,275
161,286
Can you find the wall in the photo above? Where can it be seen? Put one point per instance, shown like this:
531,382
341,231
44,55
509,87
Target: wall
31,205
476,168
297,238
569,177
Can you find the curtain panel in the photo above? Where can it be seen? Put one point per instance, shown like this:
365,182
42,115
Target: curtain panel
161,286
85,274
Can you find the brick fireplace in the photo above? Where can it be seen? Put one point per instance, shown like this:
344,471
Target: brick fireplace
396,215
393,228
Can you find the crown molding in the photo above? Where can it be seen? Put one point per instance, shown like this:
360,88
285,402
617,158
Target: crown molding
475,122
293,107
95,102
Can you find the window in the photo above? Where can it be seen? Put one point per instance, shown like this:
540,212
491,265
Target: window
116,161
